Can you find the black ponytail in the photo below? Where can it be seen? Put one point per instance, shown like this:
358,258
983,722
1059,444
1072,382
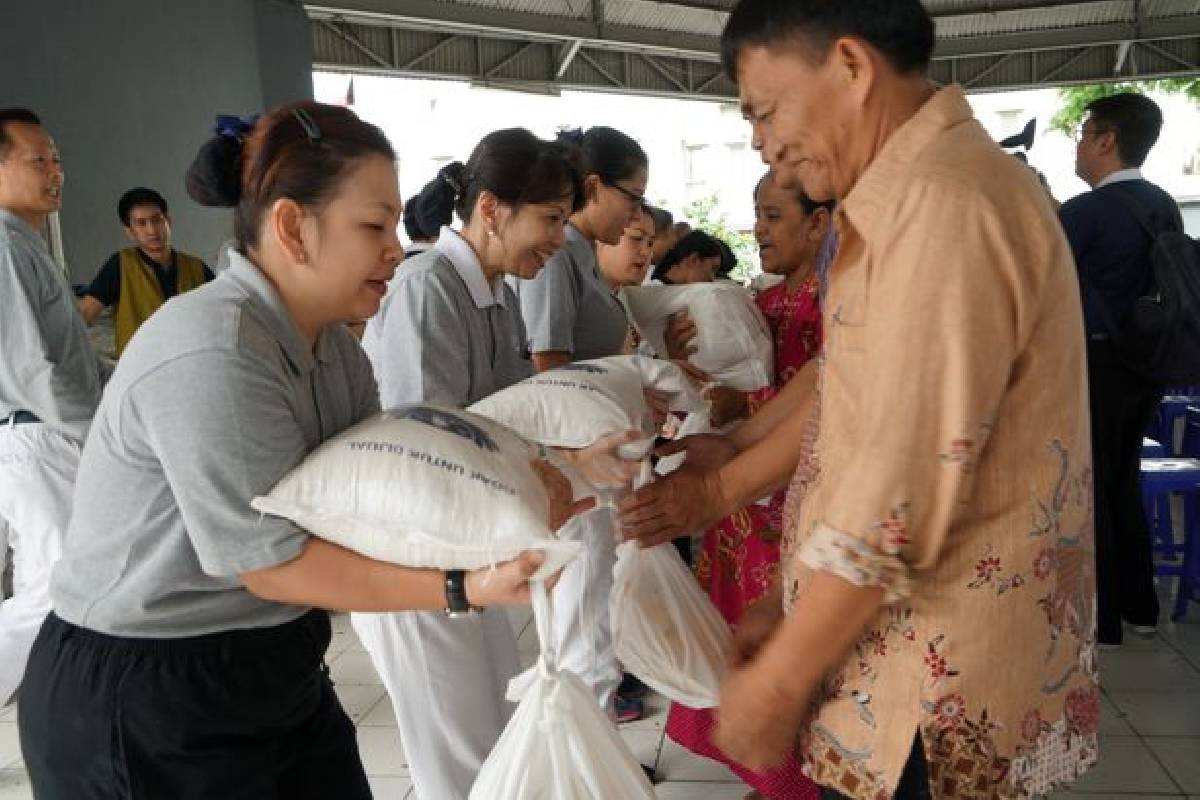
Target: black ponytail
433,207
606,153
519,169
215,177
300,151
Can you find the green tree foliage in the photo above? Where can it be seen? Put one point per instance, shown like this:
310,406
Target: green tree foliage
703,216
1075,98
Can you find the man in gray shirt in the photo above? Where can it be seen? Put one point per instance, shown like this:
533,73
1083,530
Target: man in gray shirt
50,383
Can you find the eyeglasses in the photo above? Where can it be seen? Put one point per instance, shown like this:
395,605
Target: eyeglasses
634,198
1082,132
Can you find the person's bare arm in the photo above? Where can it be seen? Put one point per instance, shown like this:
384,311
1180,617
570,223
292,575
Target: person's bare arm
328,576
694,498
550,359
90,308
764,700
796,398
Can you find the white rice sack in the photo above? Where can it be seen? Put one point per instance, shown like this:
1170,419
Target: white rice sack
765,280
424,486
733,341
558,745
577,404
665,629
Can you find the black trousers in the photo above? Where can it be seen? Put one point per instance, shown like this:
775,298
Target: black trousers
914,781
245,714
1122,405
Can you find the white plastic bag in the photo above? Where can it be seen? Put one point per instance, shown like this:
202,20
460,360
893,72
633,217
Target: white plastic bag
575,405
424,486
558,745
665,630
733,341
694,424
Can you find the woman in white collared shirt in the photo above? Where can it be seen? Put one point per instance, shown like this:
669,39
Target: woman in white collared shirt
450,332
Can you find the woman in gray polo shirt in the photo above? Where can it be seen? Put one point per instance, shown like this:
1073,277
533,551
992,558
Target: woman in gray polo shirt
450,331
572,314
184,655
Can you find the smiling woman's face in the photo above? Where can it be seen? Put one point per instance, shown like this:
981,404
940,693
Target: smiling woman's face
531,236
626,263
781,228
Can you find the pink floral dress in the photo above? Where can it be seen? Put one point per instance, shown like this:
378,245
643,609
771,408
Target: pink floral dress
739,559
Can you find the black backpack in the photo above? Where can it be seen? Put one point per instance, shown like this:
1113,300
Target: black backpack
1161,338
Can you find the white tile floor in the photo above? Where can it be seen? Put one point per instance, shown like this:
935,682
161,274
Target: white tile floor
1150,736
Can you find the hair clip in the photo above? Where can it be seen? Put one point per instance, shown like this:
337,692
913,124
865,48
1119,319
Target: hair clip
308,125
571,136
234,127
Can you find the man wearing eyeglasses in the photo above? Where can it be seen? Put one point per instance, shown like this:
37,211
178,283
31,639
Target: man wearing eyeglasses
50,383
1112,252
139,279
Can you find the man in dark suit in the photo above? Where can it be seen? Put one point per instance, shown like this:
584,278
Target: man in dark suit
1112,252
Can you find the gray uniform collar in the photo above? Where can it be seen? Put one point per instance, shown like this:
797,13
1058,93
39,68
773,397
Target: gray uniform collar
466,263
23,229
577,241
276,317
583,247
584,250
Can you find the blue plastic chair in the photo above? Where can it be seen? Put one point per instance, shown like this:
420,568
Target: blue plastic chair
1160,478
1173,408
1191,434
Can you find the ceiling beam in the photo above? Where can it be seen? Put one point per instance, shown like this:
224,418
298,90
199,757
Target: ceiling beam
343,29
352,40
1045,77
1122,56
1067,38
997,6
510,58
979,77
568,55
438,15
591,62
1153,48
666,75
413,62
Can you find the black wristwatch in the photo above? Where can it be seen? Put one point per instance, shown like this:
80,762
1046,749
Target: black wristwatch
457,604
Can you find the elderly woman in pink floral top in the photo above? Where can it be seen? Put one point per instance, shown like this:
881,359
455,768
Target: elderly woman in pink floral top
739,560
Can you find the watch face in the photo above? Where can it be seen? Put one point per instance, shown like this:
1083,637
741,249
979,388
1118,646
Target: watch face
457,604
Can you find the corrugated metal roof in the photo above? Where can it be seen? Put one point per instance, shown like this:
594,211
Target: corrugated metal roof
1056,17
660,16
571,9
670,47
954,17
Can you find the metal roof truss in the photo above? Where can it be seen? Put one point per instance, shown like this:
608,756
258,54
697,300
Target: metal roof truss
541,52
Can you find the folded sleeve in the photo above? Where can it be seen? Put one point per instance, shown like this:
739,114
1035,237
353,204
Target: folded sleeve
420,345
224,432
935,349
47,367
